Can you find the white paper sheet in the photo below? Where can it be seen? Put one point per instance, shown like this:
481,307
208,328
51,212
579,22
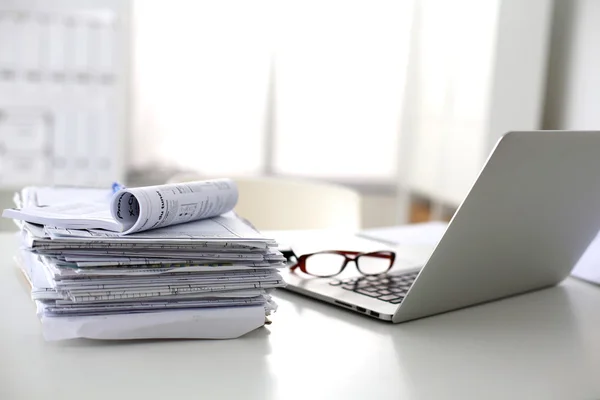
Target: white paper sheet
75,215
588,266
46,196
99,295
212,323
50,309
130,210
153,263
79,272
422,234
97,283
226,226
71,255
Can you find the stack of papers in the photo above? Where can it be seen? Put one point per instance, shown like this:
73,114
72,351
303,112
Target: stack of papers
169,261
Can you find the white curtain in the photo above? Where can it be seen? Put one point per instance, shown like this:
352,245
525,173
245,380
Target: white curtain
446,104
476,70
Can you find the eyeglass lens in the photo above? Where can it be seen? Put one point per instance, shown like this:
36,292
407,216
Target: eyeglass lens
374,263
324,264
327,264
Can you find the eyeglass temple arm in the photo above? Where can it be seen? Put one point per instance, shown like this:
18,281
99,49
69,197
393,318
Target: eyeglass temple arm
389,254
375,254
289,254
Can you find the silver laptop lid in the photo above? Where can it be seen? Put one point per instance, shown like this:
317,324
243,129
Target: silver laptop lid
532,212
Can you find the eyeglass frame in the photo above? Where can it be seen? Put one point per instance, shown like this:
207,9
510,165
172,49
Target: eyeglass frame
301,261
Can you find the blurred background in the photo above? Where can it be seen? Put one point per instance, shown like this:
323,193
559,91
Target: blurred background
400,100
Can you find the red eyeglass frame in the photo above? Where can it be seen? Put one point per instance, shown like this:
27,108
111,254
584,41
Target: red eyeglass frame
301,263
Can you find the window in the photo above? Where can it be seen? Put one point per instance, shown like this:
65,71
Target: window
340,71
201,73
218,84
400,92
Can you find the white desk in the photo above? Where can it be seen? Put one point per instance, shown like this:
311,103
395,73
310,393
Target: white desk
544,345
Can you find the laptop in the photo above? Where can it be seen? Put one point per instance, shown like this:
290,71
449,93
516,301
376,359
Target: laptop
531,213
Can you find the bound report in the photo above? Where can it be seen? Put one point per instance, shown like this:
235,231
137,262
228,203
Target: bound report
128,210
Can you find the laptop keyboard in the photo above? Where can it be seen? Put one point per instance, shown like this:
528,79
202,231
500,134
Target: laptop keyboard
390,288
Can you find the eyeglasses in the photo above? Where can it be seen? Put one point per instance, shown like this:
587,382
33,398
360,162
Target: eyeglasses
325,264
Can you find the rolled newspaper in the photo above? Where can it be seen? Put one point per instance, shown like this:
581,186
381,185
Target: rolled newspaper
151,207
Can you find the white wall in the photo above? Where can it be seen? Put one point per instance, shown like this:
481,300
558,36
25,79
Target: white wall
573,88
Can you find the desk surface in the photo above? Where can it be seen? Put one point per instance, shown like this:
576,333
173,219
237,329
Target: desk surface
543,345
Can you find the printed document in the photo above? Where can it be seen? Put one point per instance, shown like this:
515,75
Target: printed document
129,210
